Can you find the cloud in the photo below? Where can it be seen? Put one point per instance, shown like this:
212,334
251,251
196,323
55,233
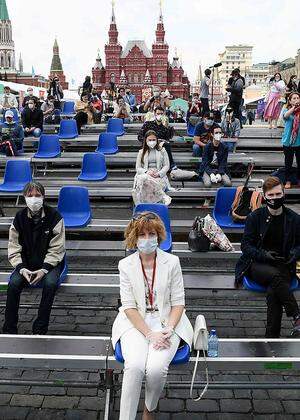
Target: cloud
200,30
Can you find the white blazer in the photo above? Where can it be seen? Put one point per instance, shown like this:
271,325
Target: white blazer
170,292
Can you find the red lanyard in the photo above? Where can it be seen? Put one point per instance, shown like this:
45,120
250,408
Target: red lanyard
150,289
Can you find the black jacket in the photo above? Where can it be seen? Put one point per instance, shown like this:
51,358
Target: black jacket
162,132
32,118
207,159
35,246
255,230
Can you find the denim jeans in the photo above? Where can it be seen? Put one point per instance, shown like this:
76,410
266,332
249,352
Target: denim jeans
15,287
197,150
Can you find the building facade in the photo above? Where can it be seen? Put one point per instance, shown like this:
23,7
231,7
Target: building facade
139,67
287,68
234,56
56,67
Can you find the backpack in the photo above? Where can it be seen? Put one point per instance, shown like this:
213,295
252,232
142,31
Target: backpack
246,200
197,240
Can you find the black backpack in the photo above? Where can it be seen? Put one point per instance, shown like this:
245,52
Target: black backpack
197,240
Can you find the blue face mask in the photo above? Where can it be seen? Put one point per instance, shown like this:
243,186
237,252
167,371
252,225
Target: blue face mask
209,123
147,246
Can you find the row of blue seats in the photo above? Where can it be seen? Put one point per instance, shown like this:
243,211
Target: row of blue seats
68,128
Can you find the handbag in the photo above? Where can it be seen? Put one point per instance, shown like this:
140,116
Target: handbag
182,175
197,240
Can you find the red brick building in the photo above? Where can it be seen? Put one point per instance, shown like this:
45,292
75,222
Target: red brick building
139,67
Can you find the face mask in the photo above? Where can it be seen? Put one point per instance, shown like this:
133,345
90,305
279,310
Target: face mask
218,136
151,143
156,94
158,117
275,203
30,93
34,203
147,246
30,106
209,123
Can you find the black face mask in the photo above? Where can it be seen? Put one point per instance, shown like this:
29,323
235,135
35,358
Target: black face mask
275,203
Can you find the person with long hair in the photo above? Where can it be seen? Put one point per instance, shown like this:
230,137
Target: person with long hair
152,165
291,137
293,86
152,320
273,100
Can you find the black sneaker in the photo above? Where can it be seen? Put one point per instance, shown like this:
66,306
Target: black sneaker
296,330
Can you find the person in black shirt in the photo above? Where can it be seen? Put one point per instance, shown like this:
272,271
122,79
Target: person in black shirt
32,120
163,132
270,249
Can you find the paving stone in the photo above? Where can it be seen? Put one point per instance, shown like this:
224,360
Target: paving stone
242,393
48,390
13,413
91,403
171,405
69,376
260,394
27,400
60,402
188,416
235,406
230,416
44,414
35,375
5,398
292,406
268,406
81,415
89,392
288,394
202,406
14,389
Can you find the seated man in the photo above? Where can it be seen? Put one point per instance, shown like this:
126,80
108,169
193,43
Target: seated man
36,250
231,128
270,249
122,110
163,131
12,135
8,100
203,133
29,96
32,120
49,112
213,168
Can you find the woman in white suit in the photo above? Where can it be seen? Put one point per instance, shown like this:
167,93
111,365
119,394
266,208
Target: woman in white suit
152,319
152,165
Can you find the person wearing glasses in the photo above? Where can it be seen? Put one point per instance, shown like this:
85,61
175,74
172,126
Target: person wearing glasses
152,320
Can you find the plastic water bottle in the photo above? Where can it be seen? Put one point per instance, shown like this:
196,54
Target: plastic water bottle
213,344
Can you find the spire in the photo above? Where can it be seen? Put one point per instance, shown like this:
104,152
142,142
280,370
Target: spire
148,79
176,63
113,17
161,18
21,67
56,62
98,64
3,10
123,79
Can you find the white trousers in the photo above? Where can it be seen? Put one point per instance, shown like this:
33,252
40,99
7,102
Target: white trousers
141,359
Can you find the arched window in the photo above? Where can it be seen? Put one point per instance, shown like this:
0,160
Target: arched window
2,60
112,77
9,61
159,78
136,78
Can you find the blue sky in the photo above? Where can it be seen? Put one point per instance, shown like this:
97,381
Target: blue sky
199,29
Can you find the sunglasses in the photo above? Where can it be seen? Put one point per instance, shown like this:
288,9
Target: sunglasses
147,216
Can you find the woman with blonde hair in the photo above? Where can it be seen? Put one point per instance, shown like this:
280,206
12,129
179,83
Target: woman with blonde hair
152,320
152,165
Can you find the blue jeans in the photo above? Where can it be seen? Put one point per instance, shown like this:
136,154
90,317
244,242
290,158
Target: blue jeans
197,150
34,133
15,287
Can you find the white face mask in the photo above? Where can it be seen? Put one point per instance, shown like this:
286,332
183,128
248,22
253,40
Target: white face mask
151,144
147,246
30,106
34,203
218,136
159,117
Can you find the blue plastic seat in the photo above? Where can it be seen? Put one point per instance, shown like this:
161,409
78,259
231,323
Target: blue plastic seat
68,129
163,212
222,209
181,356
191,129
16,115
49,146
74,206
255,287
93,167
69,108
116,126
62,277
108,144
17,175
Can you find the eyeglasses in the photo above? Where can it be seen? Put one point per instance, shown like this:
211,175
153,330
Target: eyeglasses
147,216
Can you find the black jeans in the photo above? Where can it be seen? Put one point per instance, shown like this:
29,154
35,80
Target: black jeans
235,103
205,105
15,287
289,153
277,278
81,119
